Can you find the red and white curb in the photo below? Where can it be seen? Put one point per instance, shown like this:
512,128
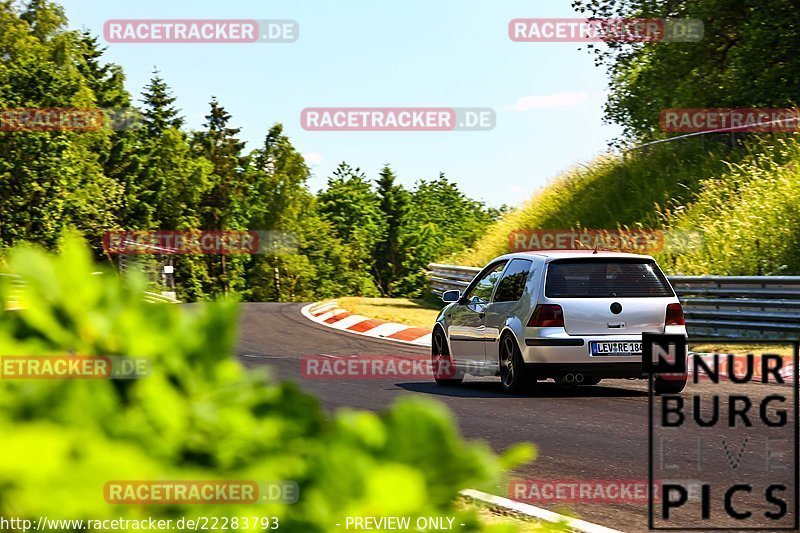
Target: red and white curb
331,315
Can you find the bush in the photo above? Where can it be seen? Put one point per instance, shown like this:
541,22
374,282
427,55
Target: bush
726,210
199,415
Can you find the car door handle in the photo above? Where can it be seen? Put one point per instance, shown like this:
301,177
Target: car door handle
481,314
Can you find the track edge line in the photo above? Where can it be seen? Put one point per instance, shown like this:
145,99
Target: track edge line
537,512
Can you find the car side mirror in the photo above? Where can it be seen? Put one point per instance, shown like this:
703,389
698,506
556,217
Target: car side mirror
451,296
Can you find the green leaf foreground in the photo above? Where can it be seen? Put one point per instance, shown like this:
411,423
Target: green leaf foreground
200,415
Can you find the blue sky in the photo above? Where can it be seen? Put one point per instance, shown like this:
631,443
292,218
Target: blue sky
359,53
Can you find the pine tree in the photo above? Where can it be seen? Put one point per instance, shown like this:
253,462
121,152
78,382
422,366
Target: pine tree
394,204
159,112
225,204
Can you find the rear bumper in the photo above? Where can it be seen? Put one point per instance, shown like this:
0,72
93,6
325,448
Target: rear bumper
567,350
553,347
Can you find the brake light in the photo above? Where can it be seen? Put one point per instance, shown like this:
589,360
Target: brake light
675,315
547,316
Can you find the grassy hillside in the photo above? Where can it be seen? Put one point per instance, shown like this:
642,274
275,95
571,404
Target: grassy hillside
724,210
746,220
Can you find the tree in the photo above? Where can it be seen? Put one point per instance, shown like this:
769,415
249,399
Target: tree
159,112
224,205
747,57
394,205
277,176
52,180
353,208
440,221
172,183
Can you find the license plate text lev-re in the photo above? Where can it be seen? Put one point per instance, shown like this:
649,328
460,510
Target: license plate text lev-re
616,348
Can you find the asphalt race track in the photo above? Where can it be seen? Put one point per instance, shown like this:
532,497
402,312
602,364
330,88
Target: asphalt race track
582,433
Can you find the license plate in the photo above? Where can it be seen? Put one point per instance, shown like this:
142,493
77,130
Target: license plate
616,348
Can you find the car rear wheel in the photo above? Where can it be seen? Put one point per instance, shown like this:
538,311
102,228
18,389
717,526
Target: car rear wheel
445,371
669,384
513,374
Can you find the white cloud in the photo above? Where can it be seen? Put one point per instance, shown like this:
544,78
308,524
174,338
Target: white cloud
526,103
313,157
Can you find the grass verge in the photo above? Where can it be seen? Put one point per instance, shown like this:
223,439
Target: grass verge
411,312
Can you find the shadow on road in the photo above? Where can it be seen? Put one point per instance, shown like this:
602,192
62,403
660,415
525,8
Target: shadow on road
491,389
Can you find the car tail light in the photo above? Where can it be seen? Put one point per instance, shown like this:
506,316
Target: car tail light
675,315
547,316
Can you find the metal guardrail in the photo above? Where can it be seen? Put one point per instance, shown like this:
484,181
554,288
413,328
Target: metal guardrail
156,298
763,307
447,277
17,284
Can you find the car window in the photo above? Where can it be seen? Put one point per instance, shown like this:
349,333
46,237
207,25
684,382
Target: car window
603,278
482,291
512,285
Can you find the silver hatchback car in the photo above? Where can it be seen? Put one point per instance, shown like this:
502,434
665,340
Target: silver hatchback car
573,316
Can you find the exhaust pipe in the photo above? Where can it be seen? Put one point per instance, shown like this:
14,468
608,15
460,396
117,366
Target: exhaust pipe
569,378
578,378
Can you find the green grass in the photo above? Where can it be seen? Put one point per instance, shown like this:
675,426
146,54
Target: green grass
416,312
723,210
744,221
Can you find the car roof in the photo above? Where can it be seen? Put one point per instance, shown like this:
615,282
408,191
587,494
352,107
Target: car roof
549,255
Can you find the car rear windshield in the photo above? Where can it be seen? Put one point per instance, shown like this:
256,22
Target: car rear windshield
603,278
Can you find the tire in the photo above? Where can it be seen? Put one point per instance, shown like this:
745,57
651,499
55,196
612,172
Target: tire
444,368
513,373
668,385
